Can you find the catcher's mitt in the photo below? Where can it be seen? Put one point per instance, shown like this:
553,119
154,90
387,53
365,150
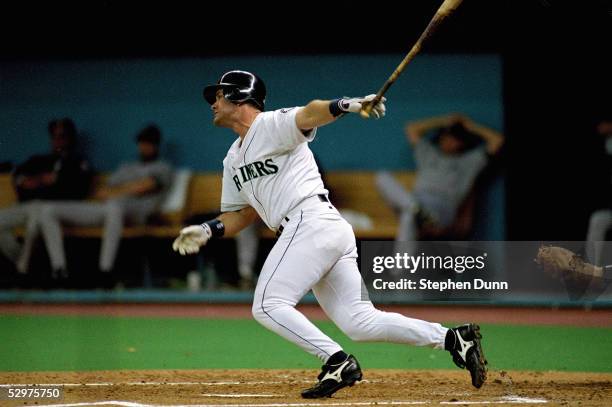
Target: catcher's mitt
562,262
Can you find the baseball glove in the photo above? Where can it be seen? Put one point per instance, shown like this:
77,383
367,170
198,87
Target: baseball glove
561,262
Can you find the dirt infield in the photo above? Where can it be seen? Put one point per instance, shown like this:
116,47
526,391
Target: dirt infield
282,388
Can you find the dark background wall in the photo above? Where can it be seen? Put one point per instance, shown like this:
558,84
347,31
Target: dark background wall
557,86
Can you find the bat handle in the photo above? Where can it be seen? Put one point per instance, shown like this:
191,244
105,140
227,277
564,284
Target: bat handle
365,111
366,107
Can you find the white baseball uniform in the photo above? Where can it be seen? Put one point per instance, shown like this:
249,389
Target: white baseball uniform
273,170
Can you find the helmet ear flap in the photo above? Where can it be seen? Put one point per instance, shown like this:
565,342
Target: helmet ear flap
229,93
234,95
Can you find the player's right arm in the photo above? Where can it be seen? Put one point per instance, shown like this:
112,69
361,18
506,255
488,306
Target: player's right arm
314,114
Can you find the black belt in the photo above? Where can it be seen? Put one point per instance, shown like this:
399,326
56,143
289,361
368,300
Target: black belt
279,231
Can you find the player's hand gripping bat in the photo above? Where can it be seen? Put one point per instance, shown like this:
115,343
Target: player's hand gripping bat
444,11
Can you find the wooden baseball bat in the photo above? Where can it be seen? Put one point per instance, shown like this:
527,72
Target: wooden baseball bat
444,11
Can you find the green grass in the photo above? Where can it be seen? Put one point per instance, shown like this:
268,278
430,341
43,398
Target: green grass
42,343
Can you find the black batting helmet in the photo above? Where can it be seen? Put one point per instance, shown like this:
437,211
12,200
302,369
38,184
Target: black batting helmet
238,87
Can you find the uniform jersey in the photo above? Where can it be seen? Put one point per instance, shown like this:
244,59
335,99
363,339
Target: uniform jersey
272,169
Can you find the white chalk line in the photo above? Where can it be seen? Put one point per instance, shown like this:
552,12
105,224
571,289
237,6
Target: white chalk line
227,383
132,404
239,395
502,400
102,384
106,384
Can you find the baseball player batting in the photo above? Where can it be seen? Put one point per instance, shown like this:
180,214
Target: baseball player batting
269,172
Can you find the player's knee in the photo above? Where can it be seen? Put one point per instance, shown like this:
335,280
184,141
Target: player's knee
114,209
43,211
601,219
353,333
258,312
359,327
357,332
35,208
382,176
113,205
263,309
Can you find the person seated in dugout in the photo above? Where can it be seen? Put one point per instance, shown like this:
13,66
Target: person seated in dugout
62,174
447,165
132,193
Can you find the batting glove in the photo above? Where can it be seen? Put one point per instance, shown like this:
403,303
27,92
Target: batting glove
354,105
191,239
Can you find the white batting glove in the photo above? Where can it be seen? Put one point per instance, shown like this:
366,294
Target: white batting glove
191,239
354,105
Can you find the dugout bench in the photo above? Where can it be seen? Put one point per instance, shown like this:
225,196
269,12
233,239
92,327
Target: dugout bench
349,189
200,193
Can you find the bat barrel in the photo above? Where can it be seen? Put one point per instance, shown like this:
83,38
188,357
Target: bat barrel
446,8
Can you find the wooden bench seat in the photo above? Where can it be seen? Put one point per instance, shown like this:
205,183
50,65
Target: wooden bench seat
355,190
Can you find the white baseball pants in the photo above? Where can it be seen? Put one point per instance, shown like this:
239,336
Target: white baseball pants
22,214
599,223
317,251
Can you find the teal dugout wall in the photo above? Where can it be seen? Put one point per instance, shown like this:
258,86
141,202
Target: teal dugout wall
110,100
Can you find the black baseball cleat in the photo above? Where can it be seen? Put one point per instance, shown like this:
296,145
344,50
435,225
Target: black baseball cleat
463,342
334,377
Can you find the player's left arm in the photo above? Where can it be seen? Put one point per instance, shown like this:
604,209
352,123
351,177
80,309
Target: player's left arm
191,238
321,112
234,222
